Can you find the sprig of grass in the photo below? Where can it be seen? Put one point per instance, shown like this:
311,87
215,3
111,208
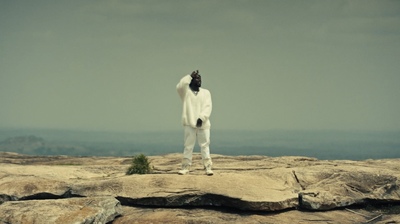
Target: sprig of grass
140,165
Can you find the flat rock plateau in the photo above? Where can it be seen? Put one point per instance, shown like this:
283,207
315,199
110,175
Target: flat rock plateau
244,189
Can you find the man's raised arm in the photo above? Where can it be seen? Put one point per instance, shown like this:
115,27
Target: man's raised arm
181,87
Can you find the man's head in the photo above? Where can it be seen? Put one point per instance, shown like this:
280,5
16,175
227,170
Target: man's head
196,79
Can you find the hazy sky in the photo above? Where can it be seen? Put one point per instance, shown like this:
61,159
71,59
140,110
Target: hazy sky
114,65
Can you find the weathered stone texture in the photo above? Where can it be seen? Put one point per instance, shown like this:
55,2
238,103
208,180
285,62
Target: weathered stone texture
244,189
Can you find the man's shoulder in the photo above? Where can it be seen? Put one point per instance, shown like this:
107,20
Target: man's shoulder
205,90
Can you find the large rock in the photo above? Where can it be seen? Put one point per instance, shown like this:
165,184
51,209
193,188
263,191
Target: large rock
244,192
73,210
254,184
140,215
349,183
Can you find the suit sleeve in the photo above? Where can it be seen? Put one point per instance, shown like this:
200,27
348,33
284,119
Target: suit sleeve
182,86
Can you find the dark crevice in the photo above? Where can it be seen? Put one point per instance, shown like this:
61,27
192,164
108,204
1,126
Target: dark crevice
385,206
187,200
223,208
200,201
297,180
50,196
39,196
4,198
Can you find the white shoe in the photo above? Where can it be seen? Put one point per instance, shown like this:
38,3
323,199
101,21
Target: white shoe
184,170
209,172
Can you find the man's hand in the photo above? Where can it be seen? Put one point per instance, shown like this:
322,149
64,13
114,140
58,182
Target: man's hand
195,74
199,123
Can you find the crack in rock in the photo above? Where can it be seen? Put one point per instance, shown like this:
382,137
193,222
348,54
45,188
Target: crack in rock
207,200
4,198
47,196
39,196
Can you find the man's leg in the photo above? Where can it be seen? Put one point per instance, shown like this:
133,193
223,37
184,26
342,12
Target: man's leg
203,138
190,139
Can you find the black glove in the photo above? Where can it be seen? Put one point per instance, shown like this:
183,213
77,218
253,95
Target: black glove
199,123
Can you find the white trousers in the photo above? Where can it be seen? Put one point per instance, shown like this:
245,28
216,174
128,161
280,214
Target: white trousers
203,139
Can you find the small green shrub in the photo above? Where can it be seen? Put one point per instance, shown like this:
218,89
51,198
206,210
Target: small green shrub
140,165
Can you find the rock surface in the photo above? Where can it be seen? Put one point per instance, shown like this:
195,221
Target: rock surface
245,189
73,210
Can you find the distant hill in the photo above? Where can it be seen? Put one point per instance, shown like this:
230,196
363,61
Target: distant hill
329,144
34,145
23,140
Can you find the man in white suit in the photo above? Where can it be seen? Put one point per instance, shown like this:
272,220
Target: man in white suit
197,106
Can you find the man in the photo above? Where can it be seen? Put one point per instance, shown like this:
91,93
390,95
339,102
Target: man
196,113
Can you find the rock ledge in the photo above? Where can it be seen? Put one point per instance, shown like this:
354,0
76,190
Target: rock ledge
51,190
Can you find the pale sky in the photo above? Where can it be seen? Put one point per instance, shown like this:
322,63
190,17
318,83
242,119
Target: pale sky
113,64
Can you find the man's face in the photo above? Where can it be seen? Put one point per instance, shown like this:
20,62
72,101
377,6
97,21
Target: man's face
197,81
